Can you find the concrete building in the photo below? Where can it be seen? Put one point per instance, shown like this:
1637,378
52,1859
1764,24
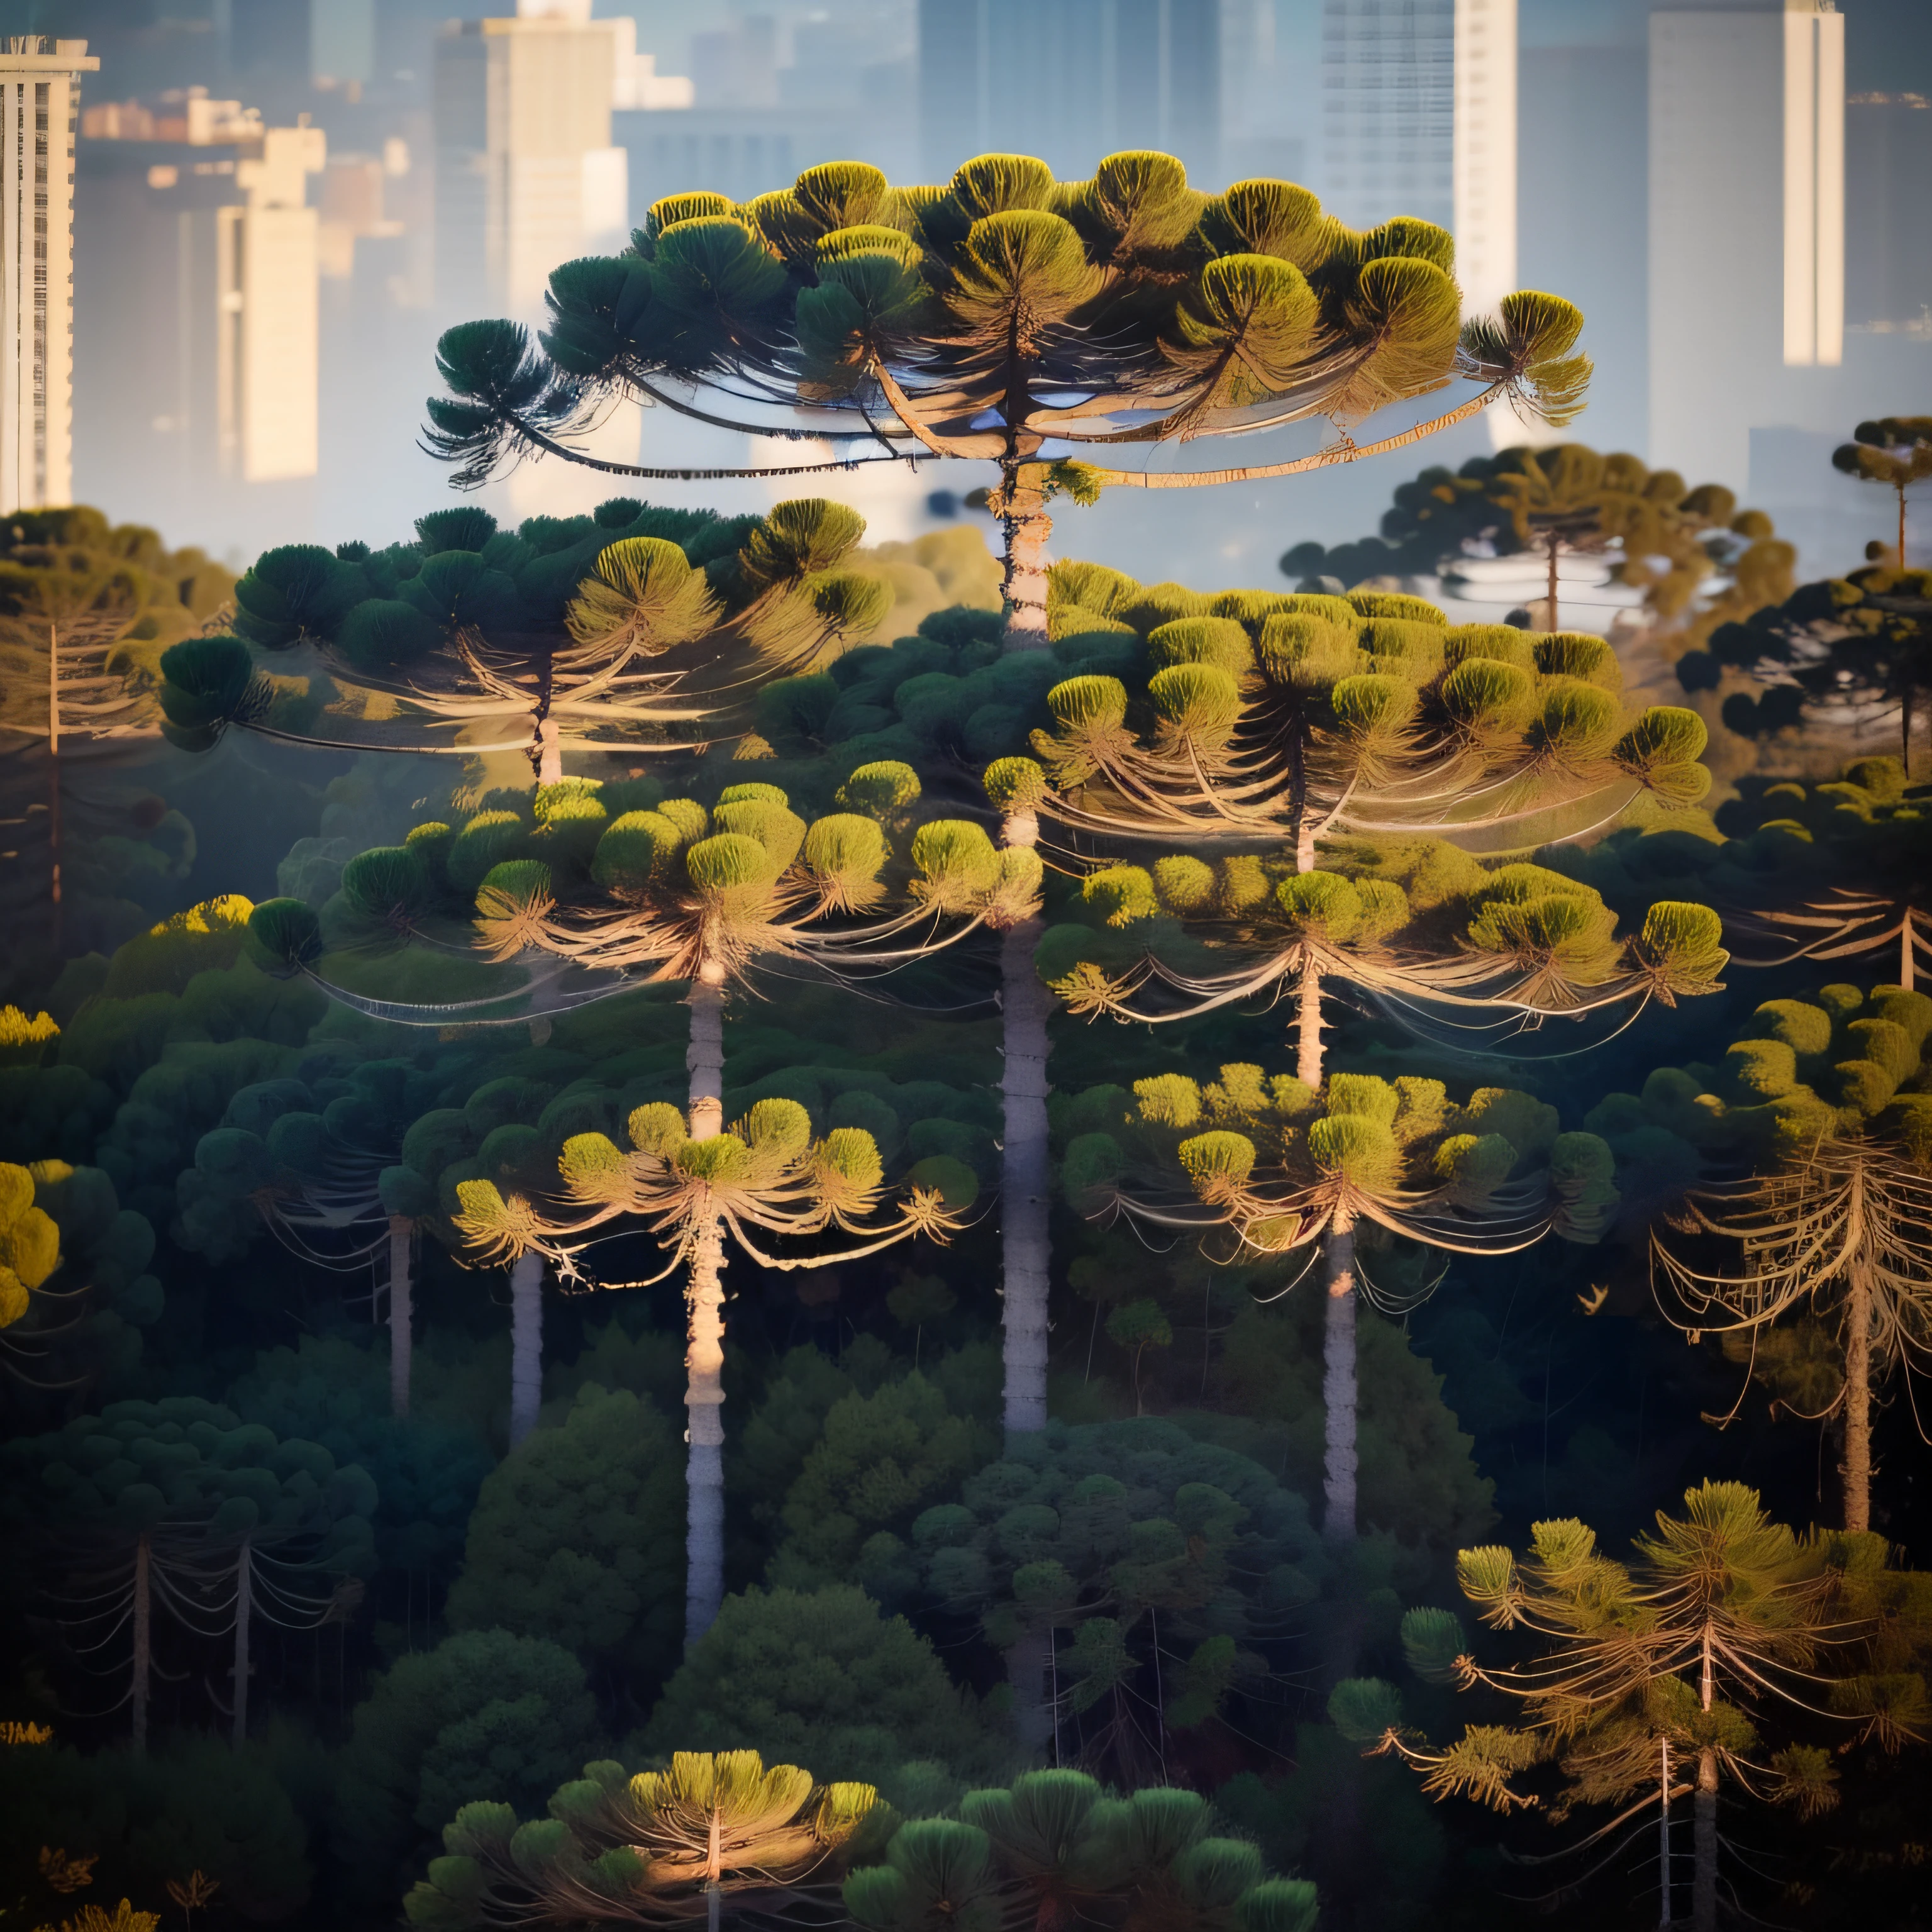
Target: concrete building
1747,229
526,176
1483,161
1070,81
203,398
39,103
1388,109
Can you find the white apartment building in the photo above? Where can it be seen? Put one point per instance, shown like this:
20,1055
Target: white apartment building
40,107
526,175
267,345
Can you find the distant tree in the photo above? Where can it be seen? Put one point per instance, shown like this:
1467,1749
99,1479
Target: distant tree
83,1325
1794,847
85,610
663,1848
1657,1677
1895,450
1654,535
1008,319
1847,653
179,1502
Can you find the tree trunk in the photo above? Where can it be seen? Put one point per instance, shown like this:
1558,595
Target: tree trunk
1663,1832
1704,1825
245,1604
1555,543
401,1311
1900,487
704,1403
143,1642
1857,1468
1704,1882
1026,527
1908,936
549,751
704,1336
526,1344
1024,1166
1308,1025
1028,1665
1338,1384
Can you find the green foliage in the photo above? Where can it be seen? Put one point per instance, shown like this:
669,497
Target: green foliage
484,1714
578,1537
880,1460
823,1679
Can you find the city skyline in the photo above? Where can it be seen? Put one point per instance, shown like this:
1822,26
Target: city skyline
1510,128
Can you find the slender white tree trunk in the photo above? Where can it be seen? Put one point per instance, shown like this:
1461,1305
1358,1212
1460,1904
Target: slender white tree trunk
402,1231
1308,1024
704,1339
143,1642
1664,1831
526,1344
1025,1168
1338,1383
245,1605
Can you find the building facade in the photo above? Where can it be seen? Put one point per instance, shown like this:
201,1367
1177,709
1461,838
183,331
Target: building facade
526,176
1746,229
40,110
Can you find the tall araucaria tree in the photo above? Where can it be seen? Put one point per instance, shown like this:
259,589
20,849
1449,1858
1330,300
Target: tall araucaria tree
1830,1220
1272,1166
1007,318
1657,1678
583,631
679,893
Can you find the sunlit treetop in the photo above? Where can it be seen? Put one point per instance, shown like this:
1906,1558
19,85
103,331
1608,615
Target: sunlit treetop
1001,315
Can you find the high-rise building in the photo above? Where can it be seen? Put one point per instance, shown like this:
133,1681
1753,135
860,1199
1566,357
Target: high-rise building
267,379
526,174
1747,229
1388,109
1888,212
1483,156
40,105
1070,81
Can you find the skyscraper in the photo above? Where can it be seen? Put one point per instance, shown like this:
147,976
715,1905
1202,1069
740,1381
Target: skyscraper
526,174
1483,152
1747,229
1069,81
1388,106
40,107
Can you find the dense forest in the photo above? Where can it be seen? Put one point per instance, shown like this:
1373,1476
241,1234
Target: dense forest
700,1220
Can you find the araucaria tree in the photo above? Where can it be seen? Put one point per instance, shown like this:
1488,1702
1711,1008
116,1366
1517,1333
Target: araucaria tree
1834,1221
1274,1166
1657,1678
1008,319
1895,450
567,632
677,893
